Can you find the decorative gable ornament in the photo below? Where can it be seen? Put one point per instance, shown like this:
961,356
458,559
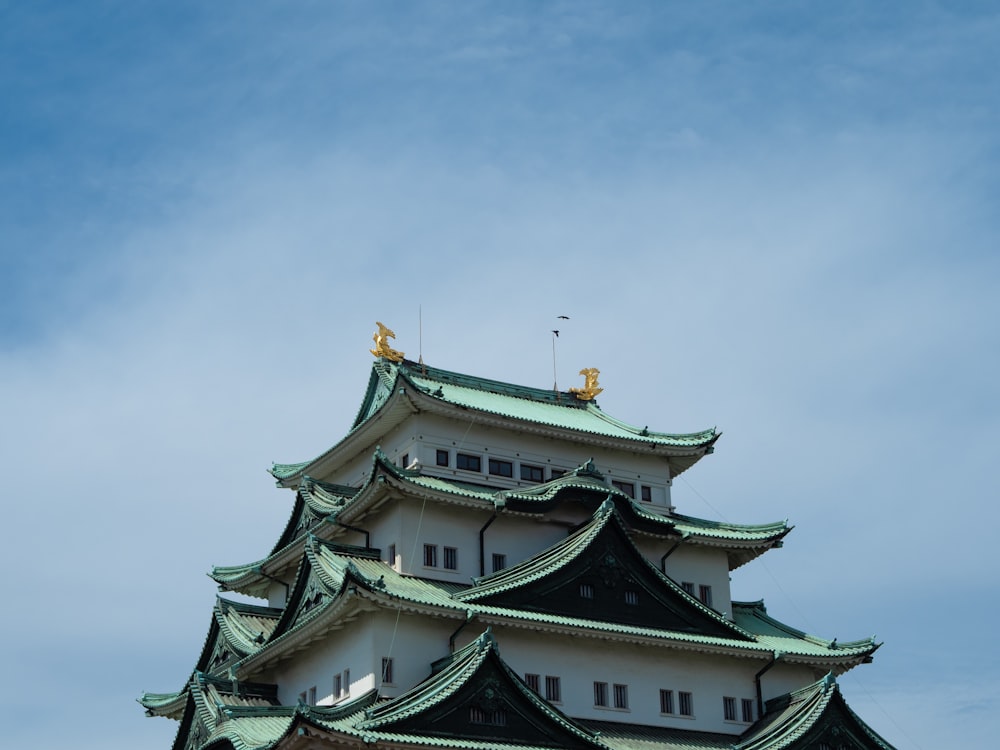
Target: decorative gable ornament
590,387
382,349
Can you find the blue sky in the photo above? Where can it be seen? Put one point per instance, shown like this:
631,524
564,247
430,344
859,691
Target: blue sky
774,219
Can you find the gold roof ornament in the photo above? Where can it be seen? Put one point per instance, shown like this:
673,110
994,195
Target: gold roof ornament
590,388
382,349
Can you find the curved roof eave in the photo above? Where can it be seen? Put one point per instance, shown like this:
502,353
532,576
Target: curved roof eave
397,407
682,449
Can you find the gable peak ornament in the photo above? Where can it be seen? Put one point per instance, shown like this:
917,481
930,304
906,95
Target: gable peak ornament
382,349
590,388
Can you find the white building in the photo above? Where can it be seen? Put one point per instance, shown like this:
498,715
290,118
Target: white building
480,565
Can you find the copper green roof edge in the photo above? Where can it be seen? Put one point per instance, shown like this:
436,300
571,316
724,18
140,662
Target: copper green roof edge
705,524
249,576
567,550
872,734
623,736
794,715
377,382
544,563
432,691
547,491
436,594
757,611
465,664
381,383
225,575
339,490
239,634
385,375
163,704
257,733
703,438
412,370
467,489
283,471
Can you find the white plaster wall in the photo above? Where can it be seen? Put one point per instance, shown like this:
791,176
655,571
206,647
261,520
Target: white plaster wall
784,678
277,594
410,523
435,432
703,566
413,643
579,662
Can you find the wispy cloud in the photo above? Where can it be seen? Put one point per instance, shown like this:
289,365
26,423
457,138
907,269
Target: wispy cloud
778,223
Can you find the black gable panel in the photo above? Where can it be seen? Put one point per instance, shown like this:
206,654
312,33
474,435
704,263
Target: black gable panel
838,729
490,707
611,582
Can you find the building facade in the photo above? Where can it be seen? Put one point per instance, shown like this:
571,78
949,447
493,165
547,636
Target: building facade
478,564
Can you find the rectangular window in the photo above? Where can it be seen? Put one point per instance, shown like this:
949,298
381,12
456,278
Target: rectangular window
729,708
621,696
406,460
430,555
666,701
450,558
553,689
632,597
496,718
646,493
499,561
501,468
391,557
347,682
531,473
627,487
468,462
600,694
533,681
387,671
556,473
686,704
338,685
747,710
688,587
705,594
586,591
442,458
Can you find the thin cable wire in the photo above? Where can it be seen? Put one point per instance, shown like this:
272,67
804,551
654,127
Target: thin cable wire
399,605
799,613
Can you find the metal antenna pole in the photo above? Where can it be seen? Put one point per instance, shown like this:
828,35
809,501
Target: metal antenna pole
420,339
555,380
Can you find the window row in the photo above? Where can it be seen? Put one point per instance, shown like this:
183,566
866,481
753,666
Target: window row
704,592
619,693
672,703
645,491
342,684
497,467
553,686
449,559
631,595
729,709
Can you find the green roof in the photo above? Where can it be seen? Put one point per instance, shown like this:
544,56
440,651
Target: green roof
814,716
434,713
322,586
317,502
432,388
